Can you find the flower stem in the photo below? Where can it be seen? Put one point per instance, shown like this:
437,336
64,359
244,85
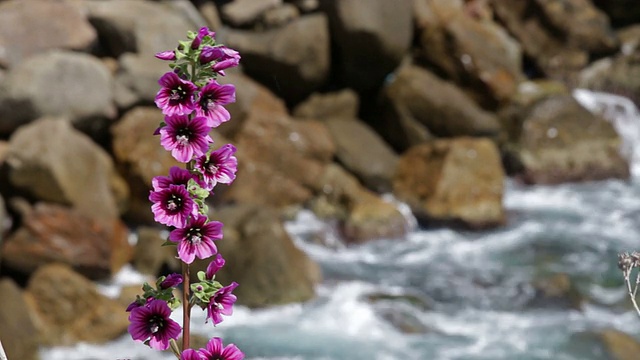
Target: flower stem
186,307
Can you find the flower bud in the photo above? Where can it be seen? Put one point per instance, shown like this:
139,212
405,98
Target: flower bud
172,280
214,266
166,55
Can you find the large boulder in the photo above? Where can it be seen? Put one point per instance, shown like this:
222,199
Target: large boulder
418,104
556,140
68,308
620,12
490,59
339,104
246,12
371,38
293,60
262,258
618,74
96,248
455,181
52,25
51,161
58,83
18,332
149,256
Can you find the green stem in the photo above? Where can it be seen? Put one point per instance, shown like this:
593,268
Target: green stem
186,307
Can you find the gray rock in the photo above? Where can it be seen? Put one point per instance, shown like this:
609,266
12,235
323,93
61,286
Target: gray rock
51,24
371,37
341,104
136,82
18,332
59,83
246,12
53,162
279,16
292,61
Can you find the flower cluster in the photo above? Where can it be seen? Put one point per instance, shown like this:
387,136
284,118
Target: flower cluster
192,102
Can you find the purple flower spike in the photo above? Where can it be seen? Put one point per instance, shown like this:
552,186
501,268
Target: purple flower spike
166,55
190,354
214,266
172,280
172,206
216,350
204,31
219,167
196,239
153,322
221,303
210,103
185,138
177,176
176,95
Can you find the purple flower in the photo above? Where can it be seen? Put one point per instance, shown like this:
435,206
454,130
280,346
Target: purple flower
219,167
185,138
136,304
214,266
221,303
212,97
172,206
204,31
177,176
152,322
190,354
196,239
228,59
210,53
175,97
172,280
215,350
166,55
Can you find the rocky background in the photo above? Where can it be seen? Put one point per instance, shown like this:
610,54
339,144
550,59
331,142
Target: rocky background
338,102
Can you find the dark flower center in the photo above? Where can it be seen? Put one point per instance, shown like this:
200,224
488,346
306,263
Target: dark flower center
208,101
178,93
194,236
174,203
156,323
212,167
183,135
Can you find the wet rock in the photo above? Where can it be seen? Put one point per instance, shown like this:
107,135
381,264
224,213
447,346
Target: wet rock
401,310
292,61
142,27
616,74
51,161
18,332
65,27
339,104
150,257
560,141
58,83
69,309
486,59
412,110
556,291
96,248
363,152
619,345
246,12
456,181
262,258
375,29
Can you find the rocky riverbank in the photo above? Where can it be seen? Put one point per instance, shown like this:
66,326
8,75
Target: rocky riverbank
338,102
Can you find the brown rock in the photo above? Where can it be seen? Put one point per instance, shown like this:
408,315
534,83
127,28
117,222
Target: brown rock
149,256
279,16
560,141
69,309
97,248
246,12
339,104
619,345
262,258
457,181
53,162
556,291
616,74
18,332
66,27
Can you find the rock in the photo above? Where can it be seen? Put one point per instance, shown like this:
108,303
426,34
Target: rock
210,13
363,152
142,27
455,181
620,12
619,345
262,258
246,12
339,104
136,81
5,220
556,292
96,248
58,83
279,16
363,31
616,74
557,47
53,162
65,27
411,107
556,140
69,309
293,60
18,332
487,59
150,257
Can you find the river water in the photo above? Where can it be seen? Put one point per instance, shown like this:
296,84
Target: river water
457,295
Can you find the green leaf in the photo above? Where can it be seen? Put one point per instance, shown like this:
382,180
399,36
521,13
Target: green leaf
202,276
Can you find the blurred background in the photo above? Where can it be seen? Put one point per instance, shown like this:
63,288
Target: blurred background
418,179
